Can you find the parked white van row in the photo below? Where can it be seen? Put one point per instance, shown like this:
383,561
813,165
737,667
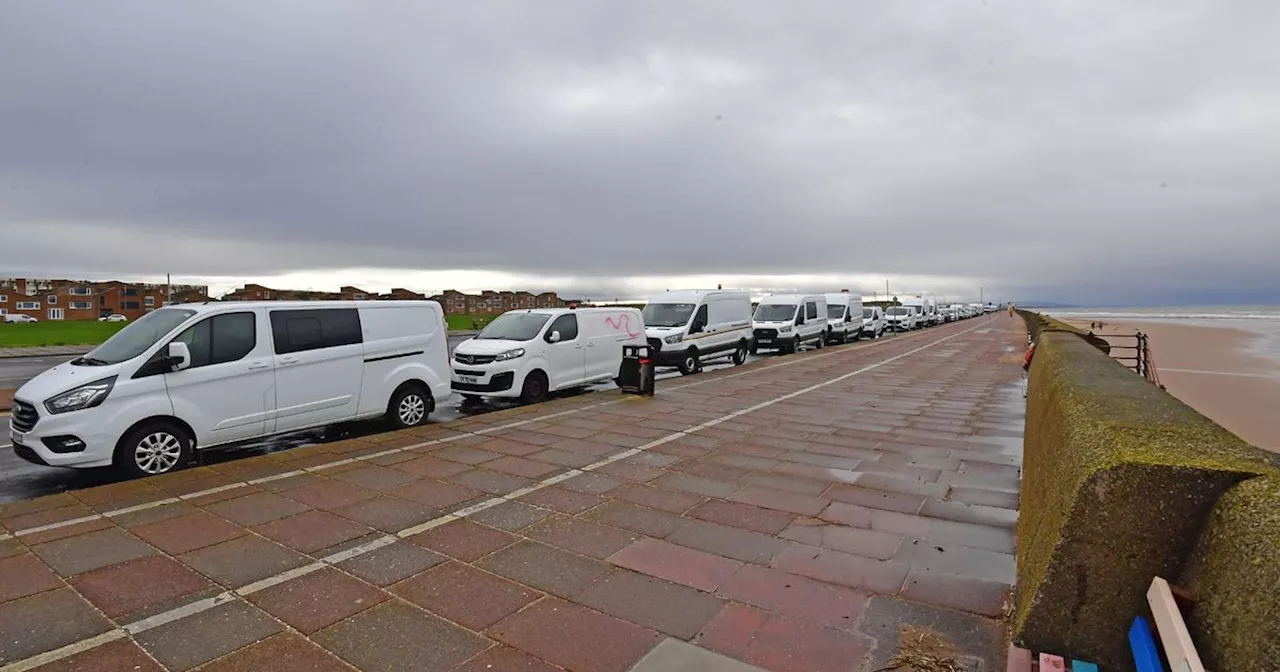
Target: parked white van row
197,376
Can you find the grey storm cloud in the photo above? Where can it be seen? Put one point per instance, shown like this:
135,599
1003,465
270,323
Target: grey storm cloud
1066,149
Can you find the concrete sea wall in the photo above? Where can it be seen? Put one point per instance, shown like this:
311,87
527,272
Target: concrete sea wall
1123,482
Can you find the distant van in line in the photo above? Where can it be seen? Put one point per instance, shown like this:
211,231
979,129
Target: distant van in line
902,318
686,328
784,322
192,377
531,353
873,323
844,317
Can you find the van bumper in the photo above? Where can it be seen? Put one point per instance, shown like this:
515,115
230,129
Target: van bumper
488,383
79,439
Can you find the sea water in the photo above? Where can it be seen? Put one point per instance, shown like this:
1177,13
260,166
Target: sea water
1261,321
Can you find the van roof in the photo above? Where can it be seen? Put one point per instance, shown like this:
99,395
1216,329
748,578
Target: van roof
791,298
556,311
695,295
208,306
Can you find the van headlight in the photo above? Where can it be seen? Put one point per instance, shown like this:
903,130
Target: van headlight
673,338
510,354
785,330
85,396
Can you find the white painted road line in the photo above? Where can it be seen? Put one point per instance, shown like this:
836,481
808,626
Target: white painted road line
209,603
1201,372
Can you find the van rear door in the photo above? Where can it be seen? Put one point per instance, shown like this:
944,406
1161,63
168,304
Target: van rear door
319,360
607,332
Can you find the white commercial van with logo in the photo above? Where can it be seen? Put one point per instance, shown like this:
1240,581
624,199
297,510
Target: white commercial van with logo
531,353
784,322
686,328
844,317
195,376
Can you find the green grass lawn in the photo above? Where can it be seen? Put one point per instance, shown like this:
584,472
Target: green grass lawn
45,333
465,322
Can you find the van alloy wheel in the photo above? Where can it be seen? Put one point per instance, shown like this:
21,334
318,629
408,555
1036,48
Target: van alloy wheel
413,408
740,354
157,452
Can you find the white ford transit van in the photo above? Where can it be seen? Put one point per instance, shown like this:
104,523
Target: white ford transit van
844,317
873,322
784,322
688,327
195,376
529,353
902,318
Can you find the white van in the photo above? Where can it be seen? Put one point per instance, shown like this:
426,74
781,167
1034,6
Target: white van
195,376
873,323
784,322
530,353
902,318
686,328
844,317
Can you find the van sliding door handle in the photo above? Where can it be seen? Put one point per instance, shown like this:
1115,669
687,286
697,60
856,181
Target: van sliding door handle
288,360
258,366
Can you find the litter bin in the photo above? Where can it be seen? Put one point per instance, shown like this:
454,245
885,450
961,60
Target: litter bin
636,376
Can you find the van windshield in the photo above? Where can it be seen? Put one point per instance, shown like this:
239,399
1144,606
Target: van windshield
514,327
134,339
835,312
667,314
899,310
775,312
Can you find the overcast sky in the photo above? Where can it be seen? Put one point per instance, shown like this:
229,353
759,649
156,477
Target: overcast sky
1068,150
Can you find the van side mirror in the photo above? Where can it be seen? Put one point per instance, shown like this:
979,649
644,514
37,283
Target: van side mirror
179,356
553,337
696,327
800,319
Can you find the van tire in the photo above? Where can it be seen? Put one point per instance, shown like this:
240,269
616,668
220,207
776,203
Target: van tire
167,444
795,346
535,387
740,354
690,364
822,342
409,406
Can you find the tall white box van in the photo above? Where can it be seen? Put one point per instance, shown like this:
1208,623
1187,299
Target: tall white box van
686,328
784,322
844,317
530,353
196,376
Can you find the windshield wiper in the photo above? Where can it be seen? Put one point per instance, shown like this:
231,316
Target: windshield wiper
90,361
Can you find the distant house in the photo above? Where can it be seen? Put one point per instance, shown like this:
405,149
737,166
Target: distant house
62,299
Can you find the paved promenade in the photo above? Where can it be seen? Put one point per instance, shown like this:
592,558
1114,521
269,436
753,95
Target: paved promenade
785,515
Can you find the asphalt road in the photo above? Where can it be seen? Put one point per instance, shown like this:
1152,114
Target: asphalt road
20,479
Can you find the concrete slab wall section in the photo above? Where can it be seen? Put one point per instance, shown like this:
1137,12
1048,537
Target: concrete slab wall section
1233,574
1119,478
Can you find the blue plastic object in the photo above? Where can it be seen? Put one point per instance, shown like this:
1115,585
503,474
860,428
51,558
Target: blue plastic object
1143,645
1081,666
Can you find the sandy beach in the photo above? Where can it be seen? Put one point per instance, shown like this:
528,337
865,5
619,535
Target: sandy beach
1214,369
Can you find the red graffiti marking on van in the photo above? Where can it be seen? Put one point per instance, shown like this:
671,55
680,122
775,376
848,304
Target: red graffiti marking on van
622,321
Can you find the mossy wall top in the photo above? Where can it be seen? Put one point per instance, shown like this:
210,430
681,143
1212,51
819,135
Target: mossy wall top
1118,478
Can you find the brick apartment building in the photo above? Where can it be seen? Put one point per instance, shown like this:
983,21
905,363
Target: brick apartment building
454,302
57,299
490,302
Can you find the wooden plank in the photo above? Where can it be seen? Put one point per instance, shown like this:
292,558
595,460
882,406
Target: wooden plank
1052,663
1082,666
1019,660
1179,650
1143,645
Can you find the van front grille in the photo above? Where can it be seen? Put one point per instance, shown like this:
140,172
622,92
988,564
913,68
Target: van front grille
766,333
23,416
474,359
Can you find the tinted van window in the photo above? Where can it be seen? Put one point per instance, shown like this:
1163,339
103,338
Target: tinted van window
300,330
220,339
810,310
567,325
